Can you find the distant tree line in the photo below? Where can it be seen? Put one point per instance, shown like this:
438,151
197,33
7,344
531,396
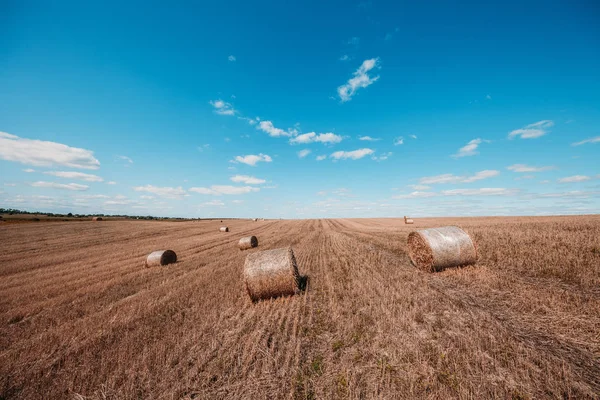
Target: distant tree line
14,211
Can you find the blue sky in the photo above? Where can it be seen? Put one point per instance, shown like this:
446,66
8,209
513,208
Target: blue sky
303,110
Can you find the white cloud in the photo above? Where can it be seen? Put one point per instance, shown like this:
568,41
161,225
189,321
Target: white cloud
361,79
303,153
249,180
420,187
111,183
29,170
129,160
10,184
450,178
345,57
92,196
75,175
383,156
321,158
169,192
213,203
268,127
251,121
532,131
45,154
480,192
354,155
470,149
312,137
590,140
415,195
574,178
146,197
413,136
398,141
527,168
222,107
218,190
203,147
231,58
368,138
54,185
252,159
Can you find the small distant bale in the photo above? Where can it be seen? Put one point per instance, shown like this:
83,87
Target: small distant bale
248,242
224,229
97,219
438,248
408,221
271,273
160,257
254,219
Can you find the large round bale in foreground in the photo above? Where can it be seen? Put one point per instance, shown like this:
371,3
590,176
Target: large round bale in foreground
224,229
248,242
160,257
438,248
271,273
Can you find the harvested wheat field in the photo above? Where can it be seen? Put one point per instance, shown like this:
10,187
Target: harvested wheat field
80,317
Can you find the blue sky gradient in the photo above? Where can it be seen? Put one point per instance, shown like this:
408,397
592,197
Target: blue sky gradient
478,108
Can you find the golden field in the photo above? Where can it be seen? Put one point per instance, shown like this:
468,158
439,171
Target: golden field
81,318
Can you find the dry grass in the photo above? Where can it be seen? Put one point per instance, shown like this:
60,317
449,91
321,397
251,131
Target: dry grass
79,316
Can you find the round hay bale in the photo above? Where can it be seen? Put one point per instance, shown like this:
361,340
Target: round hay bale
160,257
248,242
437,248
409,221
271,273
97,219
224,229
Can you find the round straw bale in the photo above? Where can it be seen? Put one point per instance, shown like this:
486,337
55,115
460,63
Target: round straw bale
438,248
271,273
224,229
248,242
409,221
160,257
96,218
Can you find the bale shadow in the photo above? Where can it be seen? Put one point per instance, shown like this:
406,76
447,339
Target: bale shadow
302,282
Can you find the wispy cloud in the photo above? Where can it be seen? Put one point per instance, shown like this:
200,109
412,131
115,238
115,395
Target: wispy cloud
574,178
368,138
590,140
450,178
470,149
419,187
231,58
321,158
383,156
312,137
354,41
527,168
480,192
415,195
353,155
75,175
66,186
303,153
413,136
268,127
345,57
399,141
218,190
361,79
45,154
213,203
249,180
125,158
111,183
222,107
533,131
252,159
168,192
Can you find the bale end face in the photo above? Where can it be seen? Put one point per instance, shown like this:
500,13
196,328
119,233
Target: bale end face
224,229
160,257
438,248
271,273
248,242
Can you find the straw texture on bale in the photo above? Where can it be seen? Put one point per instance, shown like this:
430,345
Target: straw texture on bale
248,242
438,248
224,229
271,273
97,219
160,257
